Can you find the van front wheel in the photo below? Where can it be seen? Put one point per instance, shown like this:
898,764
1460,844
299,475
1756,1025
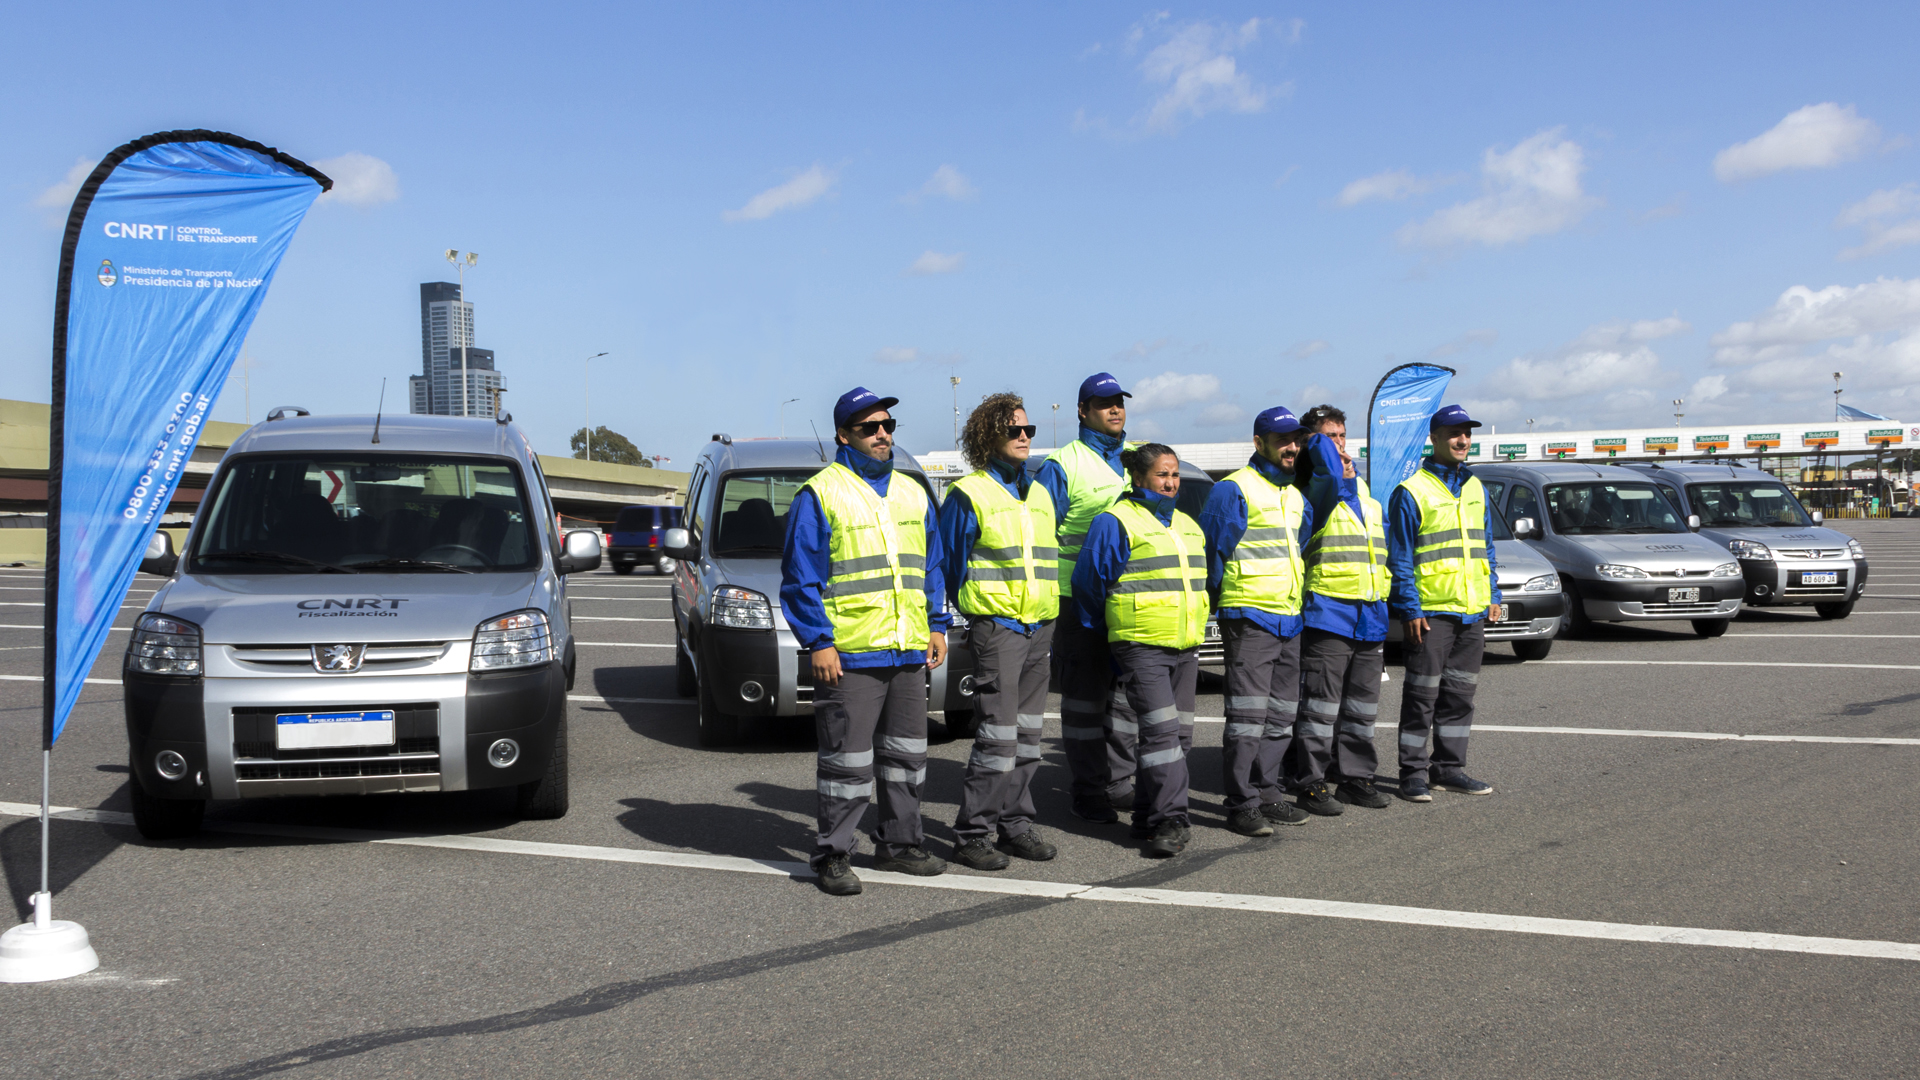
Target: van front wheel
716,728
1834,611
546,798
164,819
1710,627
1533,650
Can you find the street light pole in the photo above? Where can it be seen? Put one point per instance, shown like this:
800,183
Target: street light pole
1677,414
586,383
783,415
1836,396
1056,426
453,257
955,380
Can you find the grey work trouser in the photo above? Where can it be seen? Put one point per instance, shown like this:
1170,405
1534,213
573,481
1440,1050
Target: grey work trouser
1155,695
1263,688
1010,671
873,713
1335,729
1442,673
1101,756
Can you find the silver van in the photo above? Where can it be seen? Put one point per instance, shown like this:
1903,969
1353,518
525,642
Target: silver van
361,606
1785,555
734,651
1623,548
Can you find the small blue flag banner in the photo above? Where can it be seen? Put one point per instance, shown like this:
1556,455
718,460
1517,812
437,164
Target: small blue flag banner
1403,403
169,250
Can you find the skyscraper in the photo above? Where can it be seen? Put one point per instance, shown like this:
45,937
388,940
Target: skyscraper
446,325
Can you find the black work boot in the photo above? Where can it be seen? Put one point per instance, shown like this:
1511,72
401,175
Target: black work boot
836,877
1028,845
1169,839
1316,799
1362,793
977,854
911,860
1281,813
1248,821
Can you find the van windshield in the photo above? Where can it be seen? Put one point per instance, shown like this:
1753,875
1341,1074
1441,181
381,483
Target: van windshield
283,513
752,511
1602,508
1748,504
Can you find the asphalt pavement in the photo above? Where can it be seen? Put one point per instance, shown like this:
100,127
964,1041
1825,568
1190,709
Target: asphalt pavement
1646,894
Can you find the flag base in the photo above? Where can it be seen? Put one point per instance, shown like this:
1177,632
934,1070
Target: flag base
45,949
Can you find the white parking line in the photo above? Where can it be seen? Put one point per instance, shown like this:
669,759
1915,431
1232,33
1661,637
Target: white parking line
1251,902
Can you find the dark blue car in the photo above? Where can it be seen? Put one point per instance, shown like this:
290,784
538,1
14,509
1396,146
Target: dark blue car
636,537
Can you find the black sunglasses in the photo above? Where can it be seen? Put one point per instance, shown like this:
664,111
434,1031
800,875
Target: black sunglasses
866,430
1014,431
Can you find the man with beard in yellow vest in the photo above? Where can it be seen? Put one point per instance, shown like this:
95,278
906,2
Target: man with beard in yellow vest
1084,478
861,587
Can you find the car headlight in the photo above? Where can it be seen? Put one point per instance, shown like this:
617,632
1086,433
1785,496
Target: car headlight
1854,548
164,646
511,641
741,609
1749,549
1543,583
1727,569
1616,570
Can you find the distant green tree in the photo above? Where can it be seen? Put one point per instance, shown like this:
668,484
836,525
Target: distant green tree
608,445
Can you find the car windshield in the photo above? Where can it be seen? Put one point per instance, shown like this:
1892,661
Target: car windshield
752,511
284,513
1602,508
1747,504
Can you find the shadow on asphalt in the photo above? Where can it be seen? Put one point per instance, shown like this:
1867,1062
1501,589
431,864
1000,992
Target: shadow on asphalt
76,848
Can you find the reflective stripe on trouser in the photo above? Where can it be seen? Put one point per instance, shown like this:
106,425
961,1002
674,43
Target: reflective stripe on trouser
1156,691
1438,697
1010,673
873,723
1100,758
1340,700
1263,683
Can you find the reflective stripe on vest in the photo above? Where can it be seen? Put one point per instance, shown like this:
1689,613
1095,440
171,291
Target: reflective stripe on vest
1450,552
1092,486
875,593
1264,571
1161,597
1013,568
1347,558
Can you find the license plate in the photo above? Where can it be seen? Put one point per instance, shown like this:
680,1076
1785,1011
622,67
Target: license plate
1503,613
324,731
1213,631
1820,577
1683,596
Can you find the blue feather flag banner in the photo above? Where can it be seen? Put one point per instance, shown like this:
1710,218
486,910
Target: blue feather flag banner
1403,403
169,250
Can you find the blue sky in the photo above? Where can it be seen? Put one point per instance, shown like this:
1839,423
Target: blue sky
1587,211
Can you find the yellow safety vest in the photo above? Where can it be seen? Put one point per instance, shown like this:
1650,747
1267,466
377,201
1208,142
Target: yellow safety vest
1014,568
1264,570
875,593
1450,552
1161,597
1347,558
1092,486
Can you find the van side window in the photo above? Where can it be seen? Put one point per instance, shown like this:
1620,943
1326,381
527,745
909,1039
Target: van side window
1522,503
696,515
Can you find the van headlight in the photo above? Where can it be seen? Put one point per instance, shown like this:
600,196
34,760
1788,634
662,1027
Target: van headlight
164,646
1617,570
1727,569
1854,549
741,609
1749,549
1543,583
511,641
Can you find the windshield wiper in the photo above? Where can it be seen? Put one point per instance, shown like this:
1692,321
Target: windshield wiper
1644,529
390,564
275,556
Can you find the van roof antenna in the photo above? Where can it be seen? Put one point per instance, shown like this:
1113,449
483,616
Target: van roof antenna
816,439
378,409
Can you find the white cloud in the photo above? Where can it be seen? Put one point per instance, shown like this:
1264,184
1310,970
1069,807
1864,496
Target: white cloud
1871,332
1220,414
359,180
797,192
1815,137
1390,186
59,196
1530,190
946,182
1885,238
1468,340
1170,390
1196,66
1706,388
1607,373
1802,316
1870,214
934,262
1301,350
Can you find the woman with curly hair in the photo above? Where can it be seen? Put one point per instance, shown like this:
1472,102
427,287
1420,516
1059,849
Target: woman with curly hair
1002,572
1142,579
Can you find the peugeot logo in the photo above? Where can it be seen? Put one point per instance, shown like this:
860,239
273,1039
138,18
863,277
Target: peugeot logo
1680,571
335,659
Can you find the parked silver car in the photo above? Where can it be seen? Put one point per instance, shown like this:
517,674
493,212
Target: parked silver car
734,650
1623,548
1786,557
357,614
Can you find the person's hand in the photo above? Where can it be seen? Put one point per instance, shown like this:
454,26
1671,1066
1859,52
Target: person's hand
1493,612
826,666
936,649
1346,467
1416,629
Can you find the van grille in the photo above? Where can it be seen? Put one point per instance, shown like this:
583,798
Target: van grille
382,655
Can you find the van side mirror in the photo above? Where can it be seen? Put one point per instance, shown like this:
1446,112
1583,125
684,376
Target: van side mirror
1526,529
580,552
1818,517
159,559
1693,522
679,544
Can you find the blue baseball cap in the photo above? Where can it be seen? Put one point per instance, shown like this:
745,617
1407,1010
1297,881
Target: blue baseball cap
856,401
1452,416
1278,420
1101,384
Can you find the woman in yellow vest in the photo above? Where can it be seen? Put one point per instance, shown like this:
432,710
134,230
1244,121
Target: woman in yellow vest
1003,570
1141,578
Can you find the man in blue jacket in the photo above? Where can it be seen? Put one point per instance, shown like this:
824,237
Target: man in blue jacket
862,588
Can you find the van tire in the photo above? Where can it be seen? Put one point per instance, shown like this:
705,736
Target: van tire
623,569
546,798
717,729
164,819
1834,611
1533,650
1578,625
685,682
1711,627
962,723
